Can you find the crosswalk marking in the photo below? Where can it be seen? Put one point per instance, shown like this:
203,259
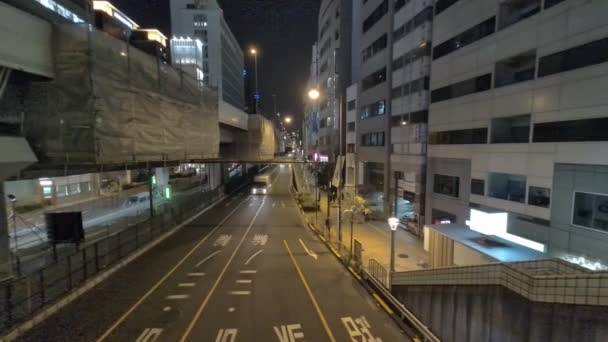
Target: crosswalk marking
186,284
178,296
196,274
240,293
248,271
244,281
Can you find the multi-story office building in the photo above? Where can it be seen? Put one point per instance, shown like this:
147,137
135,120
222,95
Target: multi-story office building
223,59
518,120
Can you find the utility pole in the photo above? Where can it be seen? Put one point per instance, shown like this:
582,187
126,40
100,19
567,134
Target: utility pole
389,111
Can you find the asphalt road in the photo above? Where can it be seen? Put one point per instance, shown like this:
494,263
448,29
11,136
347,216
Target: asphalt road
247,270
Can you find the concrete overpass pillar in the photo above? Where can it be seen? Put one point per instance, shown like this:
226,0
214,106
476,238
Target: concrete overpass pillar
162,179
5,251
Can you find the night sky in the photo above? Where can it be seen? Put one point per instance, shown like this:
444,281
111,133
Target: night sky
282,30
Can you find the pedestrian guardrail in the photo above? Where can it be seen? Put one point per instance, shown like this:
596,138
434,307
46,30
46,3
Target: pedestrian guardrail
378,271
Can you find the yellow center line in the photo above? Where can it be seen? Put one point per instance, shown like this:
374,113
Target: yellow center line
383,304
311,295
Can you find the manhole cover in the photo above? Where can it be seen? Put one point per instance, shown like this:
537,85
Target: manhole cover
403,256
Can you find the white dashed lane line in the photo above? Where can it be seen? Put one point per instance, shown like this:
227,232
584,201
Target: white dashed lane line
178,296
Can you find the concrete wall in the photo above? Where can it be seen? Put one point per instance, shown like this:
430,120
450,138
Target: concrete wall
460,168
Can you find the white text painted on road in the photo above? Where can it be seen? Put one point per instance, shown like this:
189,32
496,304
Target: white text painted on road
359,329
259,239
289,333
223,240
226,335
149,335
308,251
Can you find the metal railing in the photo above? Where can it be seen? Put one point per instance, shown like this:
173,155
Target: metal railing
23,297
378,271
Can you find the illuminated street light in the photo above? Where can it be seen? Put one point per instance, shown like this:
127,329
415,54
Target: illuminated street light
393,223
253,51
288,119
313,94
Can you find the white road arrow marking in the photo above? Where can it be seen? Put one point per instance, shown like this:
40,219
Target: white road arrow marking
207,258
308,251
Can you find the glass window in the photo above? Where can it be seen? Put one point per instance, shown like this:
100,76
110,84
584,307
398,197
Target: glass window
577,57
512,11
465,38
459,137
374,79
47,192
374,48
442,5
351,126
571,131
551,3
507,187
514,129
478,187
374,109
372,139
352,104
419,19
515,69
74,189
411,87
462,88
62,190
540,197
375,16
446,185
590,210
350,148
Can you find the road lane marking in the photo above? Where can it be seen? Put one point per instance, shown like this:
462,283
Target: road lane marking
383,304
244,281
240,293
330,334
186,284
231,309
207,258
289,333
253,256
226,335
359,329
308,251
199,312
248,272
167,309
282,204
274,205
259,239
165,277
354,273
222,240
195,274
177,296
149,335
251,204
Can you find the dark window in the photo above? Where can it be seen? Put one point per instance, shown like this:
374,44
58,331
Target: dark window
462,88
375,16
590,210
442,5
323,123
400,3
572,130
512,11
446,185
351,126
460,137
413,55
323,67
419,19
372,139
515,69
540,197
478,187
514,129
551,3
374,79
577,57
352,104
325,47
350,148
442,217
507,187
374,48
411,87
374,109
465,38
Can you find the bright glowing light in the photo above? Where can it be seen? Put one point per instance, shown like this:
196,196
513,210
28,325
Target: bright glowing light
313,94
254,191
288,119
253,51
167,193
496,224
264,191
125,20
584,262
157,36
403,123
393,222
45,182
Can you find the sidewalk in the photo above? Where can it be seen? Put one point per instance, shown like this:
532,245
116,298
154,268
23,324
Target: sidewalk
375,237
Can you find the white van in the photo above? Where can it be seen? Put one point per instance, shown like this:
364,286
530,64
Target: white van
263,181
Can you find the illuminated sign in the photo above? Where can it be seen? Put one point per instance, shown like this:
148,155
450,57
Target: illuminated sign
496,224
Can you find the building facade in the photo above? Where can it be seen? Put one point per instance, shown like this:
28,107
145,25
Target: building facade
223,60
518,119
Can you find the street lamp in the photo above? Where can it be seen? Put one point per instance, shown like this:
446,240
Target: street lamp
254,52
393,222
288,119
313,94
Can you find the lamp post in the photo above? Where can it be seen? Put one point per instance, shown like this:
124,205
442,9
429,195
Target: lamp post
393,222
254,52
352,212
